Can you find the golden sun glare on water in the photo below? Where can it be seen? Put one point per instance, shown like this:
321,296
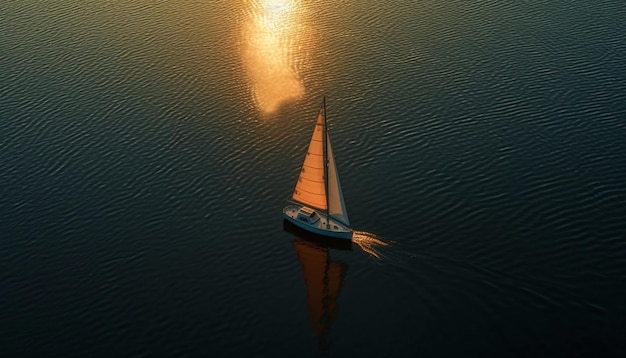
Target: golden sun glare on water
368,242
270,38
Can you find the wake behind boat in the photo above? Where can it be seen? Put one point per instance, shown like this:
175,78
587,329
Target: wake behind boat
317,204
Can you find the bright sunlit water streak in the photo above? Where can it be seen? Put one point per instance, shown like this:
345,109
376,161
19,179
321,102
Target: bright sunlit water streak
271,39
368,242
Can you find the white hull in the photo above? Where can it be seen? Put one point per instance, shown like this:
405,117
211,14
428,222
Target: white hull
335,229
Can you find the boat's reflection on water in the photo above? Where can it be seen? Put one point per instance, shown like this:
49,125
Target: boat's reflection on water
323,276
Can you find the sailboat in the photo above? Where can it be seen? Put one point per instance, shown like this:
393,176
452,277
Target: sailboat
317,204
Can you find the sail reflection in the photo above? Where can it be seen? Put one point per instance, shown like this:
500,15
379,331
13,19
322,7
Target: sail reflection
270,38
323,279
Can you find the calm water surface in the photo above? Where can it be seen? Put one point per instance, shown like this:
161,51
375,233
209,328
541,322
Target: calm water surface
147,147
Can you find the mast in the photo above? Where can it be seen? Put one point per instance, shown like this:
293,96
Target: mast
325,135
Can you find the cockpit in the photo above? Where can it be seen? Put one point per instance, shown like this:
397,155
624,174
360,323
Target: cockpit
308,215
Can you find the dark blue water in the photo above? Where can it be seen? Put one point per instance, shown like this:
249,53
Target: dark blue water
147,148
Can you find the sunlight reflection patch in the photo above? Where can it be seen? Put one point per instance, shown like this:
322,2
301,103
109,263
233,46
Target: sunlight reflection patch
271,38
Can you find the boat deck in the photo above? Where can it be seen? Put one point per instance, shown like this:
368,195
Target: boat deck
334,229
